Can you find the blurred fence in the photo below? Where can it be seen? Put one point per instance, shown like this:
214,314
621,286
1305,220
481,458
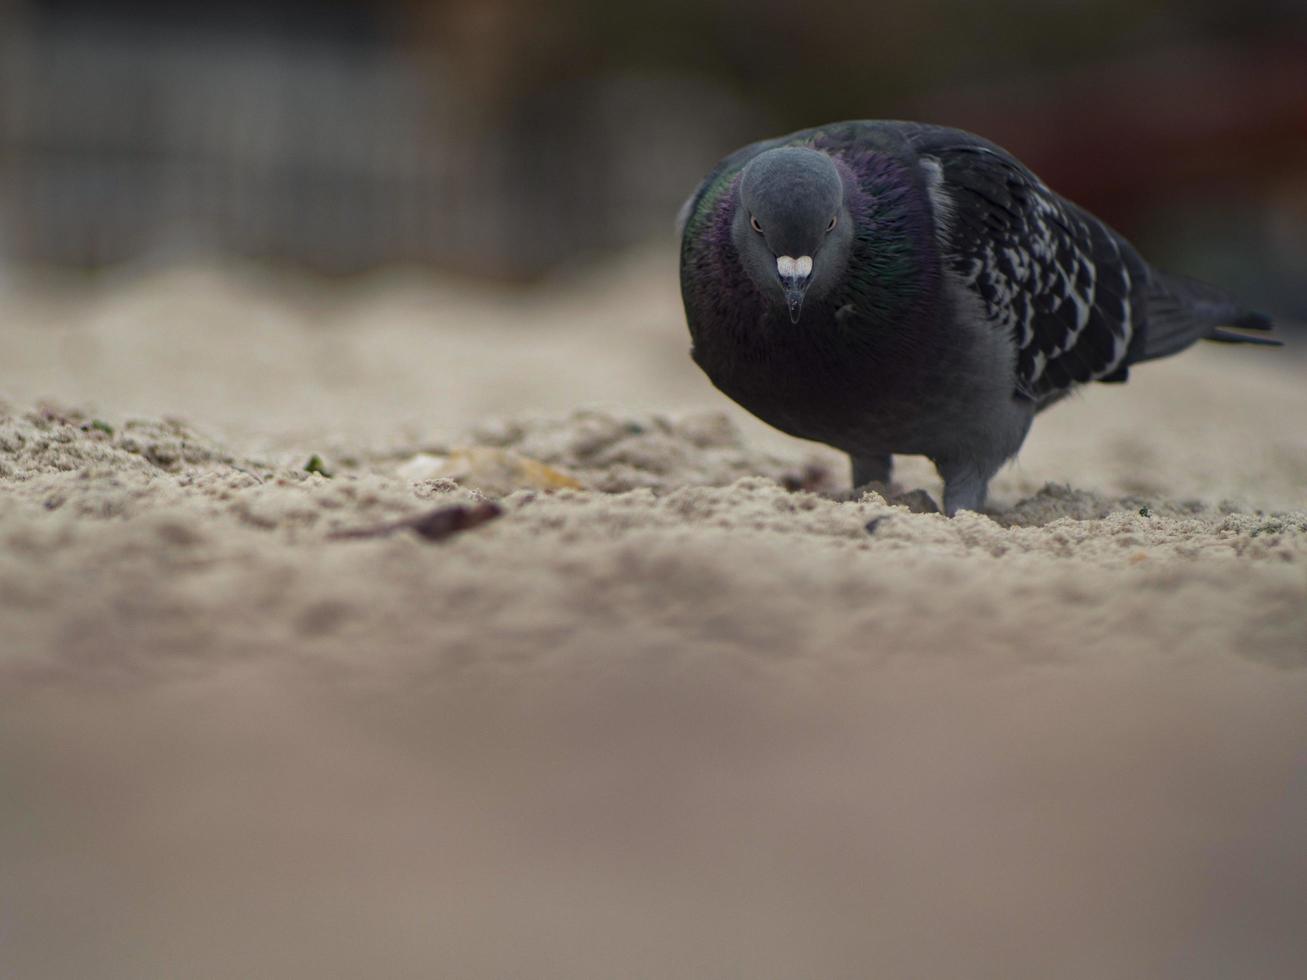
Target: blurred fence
510,137
337,152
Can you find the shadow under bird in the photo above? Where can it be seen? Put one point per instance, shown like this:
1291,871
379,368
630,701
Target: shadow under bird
898,288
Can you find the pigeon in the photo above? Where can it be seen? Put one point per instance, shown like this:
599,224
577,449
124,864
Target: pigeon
891,287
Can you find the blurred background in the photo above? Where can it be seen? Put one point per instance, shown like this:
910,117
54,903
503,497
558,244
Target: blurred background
509,138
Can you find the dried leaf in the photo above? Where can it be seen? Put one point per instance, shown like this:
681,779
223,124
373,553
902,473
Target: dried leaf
501,471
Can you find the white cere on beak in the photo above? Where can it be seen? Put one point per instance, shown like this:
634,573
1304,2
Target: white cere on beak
792,268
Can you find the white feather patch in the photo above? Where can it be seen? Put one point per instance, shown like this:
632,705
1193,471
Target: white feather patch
792,268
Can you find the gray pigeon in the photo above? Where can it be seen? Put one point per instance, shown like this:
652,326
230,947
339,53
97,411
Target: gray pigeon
893,287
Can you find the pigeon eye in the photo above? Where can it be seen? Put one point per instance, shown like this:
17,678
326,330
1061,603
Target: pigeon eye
753,222
831,227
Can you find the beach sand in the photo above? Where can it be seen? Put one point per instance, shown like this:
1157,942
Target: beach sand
677,712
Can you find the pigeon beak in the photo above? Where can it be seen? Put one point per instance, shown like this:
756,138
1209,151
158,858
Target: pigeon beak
794,292
795,275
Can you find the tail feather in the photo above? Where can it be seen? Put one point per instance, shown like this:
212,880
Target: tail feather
1183,311
1259,322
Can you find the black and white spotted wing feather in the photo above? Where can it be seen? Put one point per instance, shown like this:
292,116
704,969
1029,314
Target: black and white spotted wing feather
1071,292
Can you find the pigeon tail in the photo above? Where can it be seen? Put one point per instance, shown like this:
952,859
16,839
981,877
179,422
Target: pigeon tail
1182,311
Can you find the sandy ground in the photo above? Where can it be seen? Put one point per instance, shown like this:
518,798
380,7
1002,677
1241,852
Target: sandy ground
680,722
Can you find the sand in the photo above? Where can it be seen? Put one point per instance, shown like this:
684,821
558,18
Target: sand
678,712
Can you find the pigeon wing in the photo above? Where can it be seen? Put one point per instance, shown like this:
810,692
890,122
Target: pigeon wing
1068,289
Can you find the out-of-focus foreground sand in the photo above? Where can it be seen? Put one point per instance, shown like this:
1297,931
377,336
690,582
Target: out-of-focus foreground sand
703,727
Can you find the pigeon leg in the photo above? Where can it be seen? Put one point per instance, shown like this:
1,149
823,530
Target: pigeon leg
871,469
873,473
966,483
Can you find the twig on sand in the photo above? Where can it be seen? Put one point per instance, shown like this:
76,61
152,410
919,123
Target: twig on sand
435,525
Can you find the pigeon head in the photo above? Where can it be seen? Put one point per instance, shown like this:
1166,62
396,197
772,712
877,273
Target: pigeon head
792,228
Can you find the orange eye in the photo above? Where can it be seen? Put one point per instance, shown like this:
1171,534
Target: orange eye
831,227
753,222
